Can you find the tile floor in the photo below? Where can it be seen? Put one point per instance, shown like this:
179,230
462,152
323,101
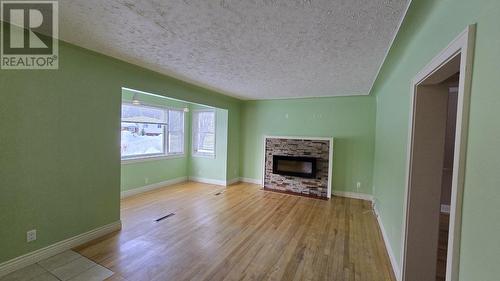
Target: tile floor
66,266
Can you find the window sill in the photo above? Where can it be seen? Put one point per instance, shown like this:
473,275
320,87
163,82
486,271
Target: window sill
151,158
209,156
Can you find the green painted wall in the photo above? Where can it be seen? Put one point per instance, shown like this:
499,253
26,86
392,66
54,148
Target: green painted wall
139,174
212,168
427,29
60,144
134,175
350,120
233,136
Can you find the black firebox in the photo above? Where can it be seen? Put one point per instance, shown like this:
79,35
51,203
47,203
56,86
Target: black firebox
297,166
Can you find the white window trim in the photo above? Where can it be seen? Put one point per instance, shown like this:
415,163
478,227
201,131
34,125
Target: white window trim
193,134
157,156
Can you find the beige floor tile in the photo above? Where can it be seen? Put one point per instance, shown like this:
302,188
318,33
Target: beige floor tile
96,273
59,260
45,277
24,274
73,268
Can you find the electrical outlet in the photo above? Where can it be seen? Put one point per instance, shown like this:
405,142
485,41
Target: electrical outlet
146,180
31,235
358,185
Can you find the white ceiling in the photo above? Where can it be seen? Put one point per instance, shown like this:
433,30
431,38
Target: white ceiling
250,49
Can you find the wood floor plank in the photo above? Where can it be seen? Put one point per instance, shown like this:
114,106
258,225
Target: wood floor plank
244,233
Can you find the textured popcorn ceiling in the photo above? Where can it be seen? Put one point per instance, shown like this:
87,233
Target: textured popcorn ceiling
251,49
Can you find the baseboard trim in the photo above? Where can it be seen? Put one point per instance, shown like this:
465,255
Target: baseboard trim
353,195
146,188
390,252
208,181
249,180
56,248
233,181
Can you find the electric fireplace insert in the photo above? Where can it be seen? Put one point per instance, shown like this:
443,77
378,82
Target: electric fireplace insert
297,166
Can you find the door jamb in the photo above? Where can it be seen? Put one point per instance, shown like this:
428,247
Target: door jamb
462,45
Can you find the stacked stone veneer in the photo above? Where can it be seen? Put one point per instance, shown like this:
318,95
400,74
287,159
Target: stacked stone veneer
298,147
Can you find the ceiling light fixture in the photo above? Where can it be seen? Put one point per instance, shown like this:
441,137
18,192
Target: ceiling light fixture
135,100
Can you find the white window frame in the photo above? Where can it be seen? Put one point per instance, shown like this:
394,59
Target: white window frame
194,132
165,154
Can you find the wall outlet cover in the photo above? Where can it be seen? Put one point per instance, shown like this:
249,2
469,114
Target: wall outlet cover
31,235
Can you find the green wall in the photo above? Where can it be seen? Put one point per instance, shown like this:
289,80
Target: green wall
138,174
233,136
350,120
212,168
60,144
427,29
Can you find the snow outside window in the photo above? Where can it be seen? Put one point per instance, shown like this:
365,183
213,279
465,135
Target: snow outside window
145,131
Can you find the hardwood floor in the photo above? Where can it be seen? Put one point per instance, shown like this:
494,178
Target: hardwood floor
444,225
244,233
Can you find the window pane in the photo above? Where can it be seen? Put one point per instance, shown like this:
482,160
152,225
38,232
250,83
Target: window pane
206,143
176,131
175,120
204,132
175,142
206,121
143,114
141,139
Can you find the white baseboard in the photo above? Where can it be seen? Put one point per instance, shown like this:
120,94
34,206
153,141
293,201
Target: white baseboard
223,182
209,181
227,183
56,248
249,180
390,252
353,195
233,181
150,187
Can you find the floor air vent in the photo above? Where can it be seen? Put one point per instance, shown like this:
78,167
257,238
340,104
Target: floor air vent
164,217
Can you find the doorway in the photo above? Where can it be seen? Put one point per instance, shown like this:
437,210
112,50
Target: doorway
436,161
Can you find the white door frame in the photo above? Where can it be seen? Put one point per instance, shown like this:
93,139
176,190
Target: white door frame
462,46
330,156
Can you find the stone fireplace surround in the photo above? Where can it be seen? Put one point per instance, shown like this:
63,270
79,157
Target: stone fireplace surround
320,148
